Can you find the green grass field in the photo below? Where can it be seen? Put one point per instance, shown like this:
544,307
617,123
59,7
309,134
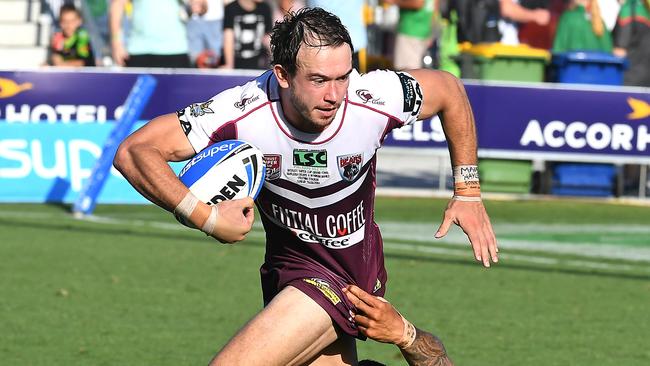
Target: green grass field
133,287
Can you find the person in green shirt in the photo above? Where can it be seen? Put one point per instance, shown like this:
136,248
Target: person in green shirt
414,32
581,28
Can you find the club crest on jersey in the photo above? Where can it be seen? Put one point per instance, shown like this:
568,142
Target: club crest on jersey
367,97
245,100
199,109
273,164
350,166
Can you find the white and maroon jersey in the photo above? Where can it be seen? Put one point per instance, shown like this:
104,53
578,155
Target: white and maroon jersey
317,202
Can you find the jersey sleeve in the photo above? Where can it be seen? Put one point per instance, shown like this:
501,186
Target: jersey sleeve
395,93
201,121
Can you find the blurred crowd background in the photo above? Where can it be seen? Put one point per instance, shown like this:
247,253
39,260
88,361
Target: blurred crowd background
445,34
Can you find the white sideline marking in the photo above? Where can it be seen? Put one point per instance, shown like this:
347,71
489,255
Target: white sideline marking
423,233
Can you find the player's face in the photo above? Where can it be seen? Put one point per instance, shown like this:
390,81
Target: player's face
319,86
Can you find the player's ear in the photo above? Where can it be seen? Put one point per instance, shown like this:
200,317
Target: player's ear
282,75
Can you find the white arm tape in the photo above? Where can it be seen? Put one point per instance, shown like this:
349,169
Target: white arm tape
211,222
186,207
408,337
467,199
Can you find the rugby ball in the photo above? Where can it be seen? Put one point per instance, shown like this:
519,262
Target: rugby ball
226,170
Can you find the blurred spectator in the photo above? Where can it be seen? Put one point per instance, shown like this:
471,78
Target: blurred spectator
55,5
481,21
349,11
71,45
351,14
513,13
414,32
98,10
156,38
609,11
581,28
246,28
284,6
632,40
205,32
478,20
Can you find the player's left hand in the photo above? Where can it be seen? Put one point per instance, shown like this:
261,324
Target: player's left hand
474,221
376,318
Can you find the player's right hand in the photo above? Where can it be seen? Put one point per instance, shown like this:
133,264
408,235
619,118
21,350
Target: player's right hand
234,220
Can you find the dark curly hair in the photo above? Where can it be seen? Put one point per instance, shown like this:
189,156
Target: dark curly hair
313,27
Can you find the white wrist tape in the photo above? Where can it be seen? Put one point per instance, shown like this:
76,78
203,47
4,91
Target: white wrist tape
467,186
408,337
185,208
211,222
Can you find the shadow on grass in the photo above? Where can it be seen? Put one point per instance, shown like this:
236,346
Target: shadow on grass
66,227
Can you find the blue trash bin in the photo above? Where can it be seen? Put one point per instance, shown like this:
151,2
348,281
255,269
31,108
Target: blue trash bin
589,67
571,179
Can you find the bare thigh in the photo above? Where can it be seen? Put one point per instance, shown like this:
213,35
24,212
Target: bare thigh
291,330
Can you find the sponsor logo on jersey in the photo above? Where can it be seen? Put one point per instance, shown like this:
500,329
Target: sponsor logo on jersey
324,287
334,231
412,94
273,164
350,166
245,100
200,109
367,97
310,158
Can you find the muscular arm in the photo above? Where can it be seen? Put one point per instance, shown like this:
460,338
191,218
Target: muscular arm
445,96
427,350
142,159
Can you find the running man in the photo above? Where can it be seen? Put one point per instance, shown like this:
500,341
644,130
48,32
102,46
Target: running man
319,123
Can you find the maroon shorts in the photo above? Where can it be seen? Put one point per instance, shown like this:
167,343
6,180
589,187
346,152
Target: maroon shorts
324,288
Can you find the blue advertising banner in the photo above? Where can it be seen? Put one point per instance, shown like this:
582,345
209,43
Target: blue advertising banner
531,119
53,124
51,163
89,97
532,122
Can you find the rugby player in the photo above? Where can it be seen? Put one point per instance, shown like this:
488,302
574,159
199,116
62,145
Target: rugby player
319,123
